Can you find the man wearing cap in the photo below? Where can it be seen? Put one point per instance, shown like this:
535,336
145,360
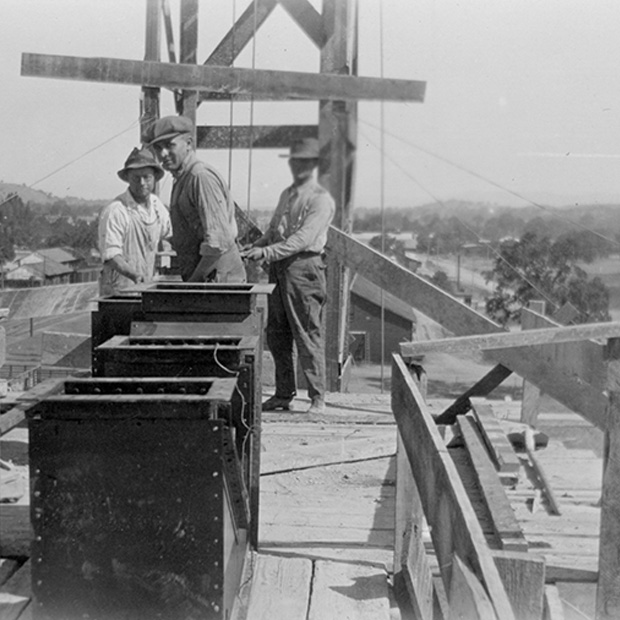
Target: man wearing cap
202,211
293,245
132,226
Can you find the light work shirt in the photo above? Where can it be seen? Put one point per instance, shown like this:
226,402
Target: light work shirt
300,222
133,231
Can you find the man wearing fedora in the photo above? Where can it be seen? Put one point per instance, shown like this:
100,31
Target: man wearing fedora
293,245
132,226
202,211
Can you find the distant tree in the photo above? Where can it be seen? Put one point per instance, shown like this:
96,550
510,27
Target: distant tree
534,267
391,245
440,279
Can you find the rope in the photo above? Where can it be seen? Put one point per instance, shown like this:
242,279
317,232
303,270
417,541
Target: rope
76,159
495,184
382,189
251,138
493,250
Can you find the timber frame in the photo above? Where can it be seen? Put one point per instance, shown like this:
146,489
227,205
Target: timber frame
336,87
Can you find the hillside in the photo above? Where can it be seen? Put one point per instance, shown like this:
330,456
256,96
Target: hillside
37,197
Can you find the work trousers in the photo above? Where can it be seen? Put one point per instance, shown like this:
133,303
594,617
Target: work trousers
295,315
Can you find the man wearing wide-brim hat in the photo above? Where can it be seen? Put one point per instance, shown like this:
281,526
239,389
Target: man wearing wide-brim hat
293,245
202,210
132,226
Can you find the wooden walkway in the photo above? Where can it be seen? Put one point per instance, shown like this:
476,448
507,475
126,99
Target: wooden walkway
327,514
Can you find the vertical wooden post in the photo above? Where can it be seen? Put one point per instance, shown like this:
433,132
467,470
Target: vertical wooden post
608,589
530,404
149,104
337,136
189,54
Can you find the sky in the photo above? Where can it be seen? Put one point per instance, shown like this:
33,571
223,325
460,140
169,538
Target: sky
522,100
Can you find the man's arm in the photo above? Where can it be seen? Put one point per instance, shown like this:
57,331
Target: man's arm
118,263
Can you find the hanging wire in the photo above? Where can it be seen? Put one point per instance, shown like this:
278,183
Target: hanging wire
382,189
76,159
231,116
494,184
251,138
498,254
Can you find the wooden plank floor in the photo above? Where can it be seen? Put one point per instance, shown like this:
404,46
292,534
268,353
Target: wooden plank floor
327,504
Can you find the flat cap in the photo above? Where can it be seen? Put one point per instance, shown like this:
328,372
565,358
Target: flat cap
170,127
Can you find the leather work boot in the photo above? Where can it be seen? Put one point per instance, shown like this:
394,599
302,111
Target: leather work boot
275,402
317,405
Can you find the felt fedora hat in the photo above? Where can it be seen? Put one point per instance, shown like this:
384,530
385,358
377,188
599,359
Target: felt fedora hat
141,158
306,148
170,127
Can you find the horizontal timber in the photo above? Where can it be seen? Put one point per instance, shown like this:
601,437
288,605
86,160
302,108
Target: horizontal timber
549,335
257,136
273,85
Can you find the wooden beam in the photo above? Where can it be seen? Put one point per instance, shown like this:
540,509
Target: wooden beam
608,593
569,389
308,19
256,136
272,85
498,445
434,302
240,34
534,337
455,529
505,526
188,43
485,386
149,112
338,141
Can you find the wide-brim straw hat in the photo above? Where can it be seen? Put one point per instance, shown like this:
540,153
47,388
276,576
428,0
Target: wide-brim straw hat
306,148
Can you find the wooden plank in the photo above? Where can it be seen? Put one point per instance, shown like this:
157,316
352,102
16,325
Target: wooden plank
608,590
15,530
255,136
280,588
49,300
240,34
446,310
467,598
308,19
530,448
535,337
341,590
149,102
188,55
7,568
504,523
496,441
453,522
554,608
523,576
482,388
530,402
579,396
268,84
15,594
571,574
417,573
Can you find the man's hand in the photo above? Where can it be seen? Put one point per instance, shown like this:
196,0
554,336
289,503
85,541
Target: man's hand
253,253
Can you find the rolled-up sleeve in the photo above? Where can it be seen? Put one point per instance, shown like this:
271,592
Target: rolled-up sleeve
112,227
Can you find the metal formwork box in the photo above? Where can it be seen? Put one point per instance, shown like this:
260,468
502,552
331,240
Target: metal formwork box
114,316
137,502
212,356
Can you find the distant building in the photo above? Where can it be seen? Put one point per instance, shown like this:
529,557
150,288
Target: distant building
365,322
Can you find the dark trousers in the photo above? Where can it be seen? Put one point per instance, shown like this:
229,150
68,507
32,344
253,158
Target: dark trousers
295,315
